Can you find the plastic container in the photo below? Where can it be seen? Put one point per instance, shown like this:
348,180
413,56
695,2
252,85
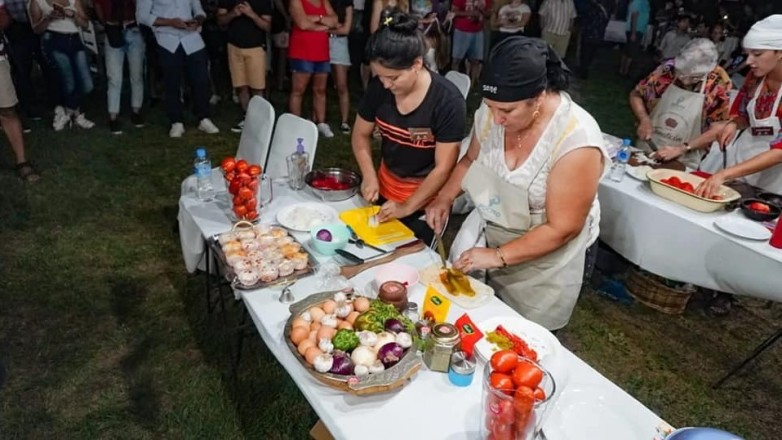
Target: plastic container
776,237
298,166
202,167
684,198
622,157
461,370
339,238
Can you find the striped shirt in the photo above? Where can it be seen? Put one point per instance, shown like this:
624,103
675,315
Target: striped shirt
559,15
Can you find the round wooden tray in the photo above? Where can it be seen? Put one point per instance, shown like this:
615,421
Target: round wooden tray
395,377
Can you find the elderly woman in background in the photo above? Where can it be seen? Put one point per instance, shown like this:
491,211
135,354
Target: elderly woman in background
680,104
756,154
532,168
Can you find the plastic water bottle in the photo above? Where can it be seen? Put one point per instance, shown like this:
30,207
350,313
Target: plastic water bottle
622,157
298,166
203,172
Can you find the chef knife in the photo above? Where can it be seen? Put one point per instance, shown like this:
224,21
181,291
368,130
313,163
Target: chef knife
349,256
652,145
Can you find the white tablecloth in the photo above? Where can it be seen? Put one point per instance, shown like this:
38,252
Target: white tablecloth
675,242
427,408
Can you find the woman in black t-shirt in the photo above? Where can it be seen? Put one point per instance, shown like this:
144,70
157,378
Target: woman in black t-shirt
421,117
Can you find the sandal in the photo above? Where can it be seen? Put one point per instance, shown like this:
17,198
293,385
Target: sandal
26,172
720,304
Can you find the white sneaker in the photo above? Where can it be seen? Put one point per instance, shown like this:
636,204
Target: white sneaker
325,130
81,121
60,119
177,130
214,99
208,127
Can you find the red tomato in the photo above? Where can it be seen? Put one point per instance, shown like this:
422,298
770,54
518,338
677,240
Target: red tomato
251,215
539,394
234,186
502,382
716,198
527,375
254,170
229,176
523,403
240,211
228,164
237,201
506,415
687,186
504,361
242,165
253,185
251,204
244,178
759,207
675,181
245,193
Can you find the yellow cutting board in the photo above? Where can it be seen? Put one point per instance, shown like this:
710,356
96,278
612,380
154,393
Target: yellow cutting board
387,232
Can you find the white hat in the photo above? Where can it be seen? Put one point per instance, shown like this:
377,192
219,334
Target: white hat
765,34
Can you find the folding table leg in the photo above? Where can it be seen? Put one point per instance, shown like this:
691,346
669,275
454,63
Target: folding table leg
758,350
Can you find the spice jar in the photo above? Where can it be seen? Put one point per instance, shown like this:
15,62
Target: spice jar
461,370
411,312
441,343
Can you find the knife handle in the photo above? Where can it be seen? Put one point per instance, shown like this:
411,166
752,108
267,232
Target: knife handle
400,251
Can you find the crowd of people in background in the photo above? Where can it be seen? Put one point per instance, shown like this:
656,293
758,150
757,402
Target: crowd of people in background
185,50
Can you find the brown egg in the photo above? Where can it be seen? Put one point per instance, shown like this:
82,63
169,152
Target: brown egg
361,304
304,346
311,354
299,334
313,336
326,333
345,325
315,326
352,317
300,322
329,306
317,314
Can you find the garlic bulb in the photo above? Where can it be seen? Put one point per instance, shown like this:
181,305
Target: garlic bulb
343,309
367,338
361,370
340,297
329,321
376,367
404,339
323,363
325,345
384,338
307,316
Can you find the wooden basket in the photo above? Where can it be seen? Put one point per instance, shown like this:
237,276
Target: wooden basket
649,290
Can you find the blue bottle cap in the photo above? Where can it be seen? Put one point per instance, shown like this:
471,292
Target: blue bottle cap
300,145
200,152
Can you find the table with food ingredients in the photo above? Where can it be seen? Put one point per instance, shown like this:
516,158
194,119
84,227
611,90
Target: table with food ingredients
381,339
652,218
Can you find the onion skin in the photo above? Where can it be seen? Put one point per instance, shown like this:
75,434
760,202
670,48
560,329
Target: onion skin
324,235
390,354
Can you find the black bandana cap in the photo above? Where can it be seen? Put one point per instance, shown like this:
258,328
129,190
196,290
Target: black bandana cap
518,69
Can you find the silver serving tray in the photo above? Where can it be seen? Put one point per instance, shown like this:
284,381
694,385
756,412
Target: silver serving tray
225,268
392,378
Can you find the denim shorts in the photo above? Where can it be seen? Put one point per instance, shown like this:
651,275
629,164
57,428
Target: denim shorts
467,45
303,66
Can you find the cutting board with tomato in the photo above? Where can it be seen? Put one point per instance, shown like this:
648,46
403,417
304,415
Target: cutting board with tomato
390,231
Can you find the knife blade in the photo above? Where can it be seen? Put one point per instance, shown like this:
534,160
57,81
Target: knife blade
652,145
441,248
349,256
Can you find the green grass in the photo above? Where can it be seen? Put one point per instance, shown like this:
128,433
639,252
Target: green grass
104,334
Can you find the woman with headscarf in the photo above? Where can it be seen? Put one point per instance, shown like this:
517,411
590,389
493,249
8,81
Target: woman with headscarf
532,168
679,105
756,155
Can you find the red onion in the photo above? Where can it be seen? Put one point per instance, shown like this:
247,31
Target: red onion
390,354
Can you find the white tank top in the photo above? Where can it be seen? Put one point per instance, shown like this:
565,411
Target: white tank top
62,25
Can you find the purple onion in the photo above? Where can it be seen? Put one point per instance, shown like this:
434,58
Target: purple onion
390,354
324,235
394,325
342,364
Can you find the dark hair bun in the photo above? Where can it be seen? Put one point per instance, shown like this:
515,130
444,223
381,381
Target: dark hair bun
398,42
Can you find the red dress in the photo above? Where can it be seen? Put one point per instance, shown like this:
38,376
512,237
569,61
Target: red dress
309,45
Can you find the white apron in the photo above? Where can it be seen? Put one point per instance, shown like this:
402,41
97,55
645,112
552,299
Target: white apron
677,119
757,139
544,290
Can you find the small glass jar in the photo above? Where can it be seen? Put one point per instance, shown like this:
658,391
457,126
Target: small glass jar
462,369
441,343
411,312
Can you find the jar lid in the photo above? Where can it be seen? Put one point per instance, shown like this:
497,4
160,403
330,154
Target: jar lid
461,363
412,306
445,332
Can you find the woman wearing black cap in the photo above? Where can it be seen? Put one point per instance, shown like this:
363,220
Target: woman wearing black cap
532,169
421,117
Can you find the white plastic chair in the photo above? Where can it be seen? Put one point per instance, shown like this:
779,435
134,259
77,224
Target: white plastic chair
289,128
460,80
257,131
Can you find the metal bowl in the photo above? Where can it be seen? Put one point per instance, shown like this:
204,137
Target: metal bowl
334,195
